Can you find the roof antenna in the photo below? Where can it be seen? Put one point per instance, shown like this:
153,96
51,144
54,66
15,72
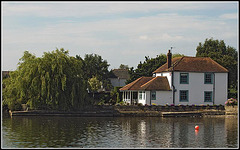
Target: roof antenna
172,48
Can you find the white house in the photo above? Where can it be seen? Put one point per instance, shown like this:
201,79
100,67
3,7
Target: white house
182,80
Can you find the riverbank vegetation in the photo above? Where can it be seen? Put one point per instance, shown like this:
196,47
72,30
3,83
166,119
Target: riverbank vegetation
54,81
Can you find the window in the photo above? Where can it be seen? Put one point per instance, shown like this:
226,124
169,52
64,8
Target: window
153,95
128,95
208,96
183,96
183,78
141,95
208,78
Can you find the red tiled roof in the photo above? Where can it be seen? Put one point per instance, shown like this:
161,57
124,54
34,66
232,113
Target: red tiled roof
192,64
136,84
159,83
148,83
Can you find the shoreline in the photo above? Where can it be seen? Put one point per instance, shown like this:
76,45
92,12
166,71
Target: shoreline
132,111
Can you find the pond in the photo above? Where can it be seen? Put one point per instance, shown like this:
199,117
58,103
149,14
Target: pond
119,132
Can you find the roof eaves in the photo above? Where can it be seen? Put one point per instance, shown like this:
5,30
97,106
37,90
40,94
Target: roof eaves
132,84
219,65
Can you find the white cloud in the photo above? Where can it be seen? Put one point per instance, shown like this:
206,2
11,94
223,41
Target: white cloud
229,16
80,9
144,37
165,27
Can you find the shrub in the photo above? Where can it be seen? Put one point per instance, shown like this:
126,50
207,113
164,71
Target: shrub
121,103
101,103
15,106
231,102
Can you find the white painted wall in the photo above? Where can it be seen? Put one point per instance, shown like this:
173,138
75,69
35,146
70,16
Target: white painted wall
221,90
163,98
148,97
196,88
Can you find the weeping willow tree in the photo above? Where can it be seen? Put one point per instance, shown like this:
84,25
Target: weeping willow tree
54,81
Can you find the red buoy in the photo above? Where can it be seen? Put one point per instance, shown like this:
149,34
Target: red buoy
196,127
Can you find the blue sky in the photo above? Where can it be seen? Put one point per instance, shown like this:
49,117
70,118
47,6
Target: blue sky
120,32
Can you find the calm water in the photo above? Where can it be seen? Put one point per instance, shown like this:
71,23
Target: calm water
119,132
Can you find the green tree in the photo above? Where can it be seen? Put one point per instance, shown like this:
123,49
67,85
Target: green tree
94,65
148,66
94,84
54,81
122,66
224,55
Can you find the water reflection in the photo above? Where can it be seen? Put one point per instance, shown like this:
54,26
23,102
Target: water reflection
119,132
142,127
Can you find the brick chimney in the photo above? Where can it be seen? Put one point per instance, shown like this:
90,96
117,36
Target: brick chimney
169,59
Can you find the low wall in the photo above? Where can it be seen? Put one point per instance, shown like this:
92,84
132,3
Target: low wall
231,110
142,111
167,108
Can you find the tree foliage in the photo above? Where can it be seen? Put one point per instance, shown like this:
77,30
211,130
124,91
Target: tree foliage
95,66
224,55
54,81
94,84
122,66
